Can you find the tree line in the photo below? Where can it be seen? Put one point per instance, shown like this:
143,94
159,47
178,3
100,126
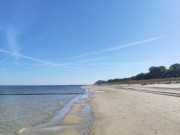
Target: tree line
154,73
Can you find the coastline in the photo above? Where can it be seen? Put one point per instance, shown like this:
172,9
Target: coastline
119,110
74,118
135,109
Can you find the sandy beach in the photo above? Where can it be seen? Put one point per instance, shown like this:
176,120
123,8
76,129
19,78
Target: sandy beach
120,110
77,120
136,110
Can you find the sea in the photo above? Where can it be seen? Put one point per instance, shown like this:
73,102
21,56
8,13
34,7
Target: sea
23,107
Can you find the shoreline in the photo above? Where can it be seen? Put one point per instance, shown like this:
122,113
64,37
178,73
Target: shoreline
74,118
123,110
135,109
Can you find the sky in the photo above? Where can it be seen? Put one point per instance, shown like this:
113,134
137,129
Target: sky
62,42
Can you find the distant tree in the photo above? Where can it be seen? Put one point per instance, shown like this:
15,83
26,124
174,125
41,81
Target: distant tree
111,80
157,72
148,76
133,78
99,82
117,80
140,76
174,70
154,72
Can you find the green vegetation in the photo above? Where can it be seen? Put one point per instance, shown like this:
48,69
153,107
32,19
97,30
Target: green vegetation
155,75
149,81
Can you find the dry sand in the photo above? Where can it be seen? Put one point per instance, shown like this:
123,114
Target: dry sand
136,110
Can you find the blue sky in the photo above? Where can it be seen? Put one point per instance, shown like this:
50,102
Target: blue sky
82,41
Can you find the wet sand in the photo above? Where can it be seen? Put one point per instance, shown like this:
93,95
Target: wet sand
77,121
136,110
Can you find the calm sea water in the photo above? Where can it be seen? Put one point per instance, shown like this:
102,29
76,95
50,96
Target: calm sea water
27,106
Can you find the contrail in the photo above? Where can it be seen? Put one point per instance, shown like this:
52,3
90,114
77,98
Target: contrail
83,55
36,39
4,59
90,60
67,65
33,59
119,47
41,36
